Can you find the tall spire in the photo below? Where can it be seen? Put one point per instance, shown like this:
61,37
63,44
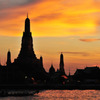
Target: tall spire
62,63
8,58
41,60
27,24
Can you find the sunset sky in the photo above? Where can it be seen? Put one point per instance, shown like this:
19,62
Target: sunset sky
68,26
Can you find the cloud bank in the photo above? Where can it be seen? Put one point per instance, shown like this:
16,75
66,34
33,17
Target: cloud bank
78,53
89,40
13,3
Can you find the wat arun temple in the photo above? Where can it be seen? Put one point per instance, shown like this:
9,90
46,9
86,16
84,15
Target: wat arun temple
27,68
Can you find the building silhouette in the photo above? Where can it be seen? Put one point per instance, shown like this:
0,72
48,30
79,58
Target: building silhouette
8,58
61,65
51,70
59,76
26,54
41,61
27,68
27,61
87,75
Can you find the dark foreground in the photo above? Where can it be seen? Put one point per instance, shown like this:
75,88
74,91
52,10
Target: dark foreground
6,93
51,87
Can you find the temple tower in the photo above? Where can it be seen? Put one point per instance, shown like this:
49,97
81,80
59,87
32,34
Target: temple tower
27,61
8,58
62,64
26,54
41,61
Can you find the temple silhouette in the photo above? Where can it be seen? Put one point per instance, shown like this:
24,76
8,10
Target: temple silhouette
27,68
26,54
27,60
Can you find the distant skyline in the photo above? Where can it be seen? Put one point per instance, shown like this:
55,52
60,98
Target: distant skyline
71,27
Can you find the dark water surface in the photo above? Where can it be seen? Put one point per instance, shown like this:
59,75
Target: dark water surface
60,95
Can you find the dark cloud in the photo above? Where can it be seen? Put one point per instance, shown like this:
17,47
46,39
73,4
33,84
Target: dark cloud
47,17
89,40
78,53
12,3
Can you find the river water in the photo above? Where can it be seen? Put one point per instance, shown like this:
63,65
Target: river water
60,95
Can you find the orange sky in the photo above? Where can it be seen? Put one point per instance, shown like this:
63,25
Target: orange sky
72,27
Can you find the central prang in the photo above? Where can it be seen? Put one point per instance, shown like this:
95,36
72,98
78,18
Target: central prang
26,54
